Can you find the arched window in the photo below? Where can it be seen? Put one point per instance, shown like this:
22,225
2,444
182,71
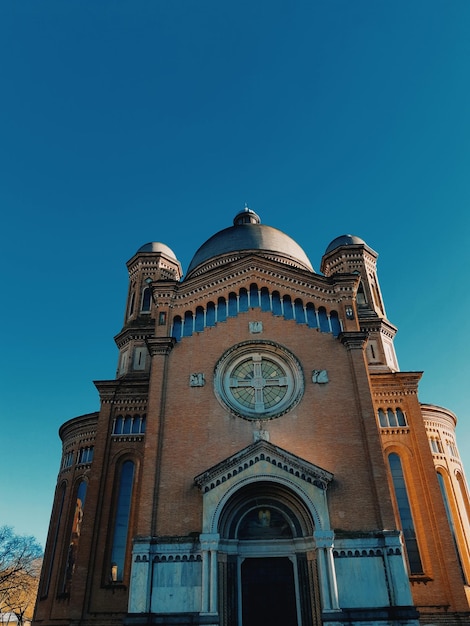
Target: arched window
118,425
404,510
383,418
335,323
188,324
243,303
121,521
232,304
132,304
361,296
199,321
254,296
392,419
400,417
85,455
299,311
127,425
287,307
221,309
210,314
323,319
277,307
138,424
463,493
311,316
177,327
146,300
265,299
75,532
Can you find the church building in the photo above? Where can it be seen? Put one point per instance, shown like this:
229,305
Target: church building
259,458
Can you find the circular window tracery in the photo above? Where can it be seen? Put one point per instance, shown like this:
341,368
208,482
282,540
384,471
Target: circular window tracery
258,381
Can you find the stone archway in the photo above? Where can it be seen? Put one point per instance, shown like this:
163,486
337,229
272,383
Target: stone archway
267,563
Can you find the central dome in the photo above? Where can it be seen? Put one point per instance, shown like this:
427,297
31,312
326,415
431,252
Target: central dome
248,235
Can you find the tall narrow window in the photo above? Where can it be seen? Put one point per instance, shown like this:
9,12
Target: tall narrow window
392,418
254,296
311,317
199,321
323,318
132,304
288,309
401,417
463,493
243,300
299,311
74,536
58,509
406,519
121,521
232,304
188,324
177,327
210,314
277,308
265,299
450,519
335,323
221,309
146,300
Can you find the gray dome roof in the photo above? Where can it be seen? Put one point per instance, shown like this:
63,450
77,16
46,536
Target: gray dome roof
345,240
156,246
249,235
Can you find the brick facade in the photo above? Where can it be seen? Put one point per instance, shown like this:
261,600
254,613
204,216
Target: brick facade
177,476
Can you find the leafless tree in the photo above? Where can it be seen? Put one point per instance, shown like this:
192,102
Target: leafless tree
20,558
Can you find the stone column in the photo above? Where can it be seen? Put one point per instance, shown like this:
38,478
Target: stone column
209,548
328,586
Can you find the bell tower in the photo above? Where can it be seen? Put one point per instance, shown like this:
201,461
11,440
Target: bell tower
154,262
349,254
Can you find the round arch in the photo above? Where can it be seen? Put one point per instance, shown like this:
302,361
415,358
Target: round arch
265,508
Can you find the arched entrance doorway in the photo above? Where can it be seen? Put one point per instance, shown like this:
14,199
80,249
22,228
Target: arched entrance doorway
267,564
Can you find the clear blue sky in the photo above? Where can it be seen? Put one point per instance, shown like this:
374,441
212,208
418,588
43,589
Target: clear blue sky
129,122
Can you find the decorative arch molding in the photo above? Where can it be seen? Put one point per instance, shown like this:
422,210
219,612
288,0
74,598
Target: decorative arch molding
296,482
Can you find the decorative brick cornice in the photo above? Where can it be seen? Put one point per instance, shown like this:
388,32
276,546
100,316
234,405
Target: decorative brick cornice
160,345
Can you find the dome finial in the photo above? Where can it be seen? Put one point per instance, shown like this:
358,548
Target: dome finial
247,216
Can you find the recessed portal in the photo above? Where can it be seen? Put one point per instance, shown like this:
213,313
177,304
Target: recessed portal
268,592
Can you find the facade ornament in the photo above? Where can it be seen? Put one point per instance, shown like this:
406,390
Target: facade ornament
197,379
320,376
256,327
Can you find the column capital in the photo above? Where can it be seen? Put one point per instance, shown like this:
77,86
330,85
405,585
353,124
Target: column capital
209,541
160,345
354,340
324,538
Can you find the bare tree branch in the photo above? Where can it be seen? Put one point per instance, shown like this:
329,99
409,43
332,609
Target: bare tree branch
20,565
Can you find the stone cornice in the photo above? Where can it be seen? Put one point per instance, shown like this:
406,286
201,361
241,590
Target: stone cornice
386,384
263,451
378,325
131,390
